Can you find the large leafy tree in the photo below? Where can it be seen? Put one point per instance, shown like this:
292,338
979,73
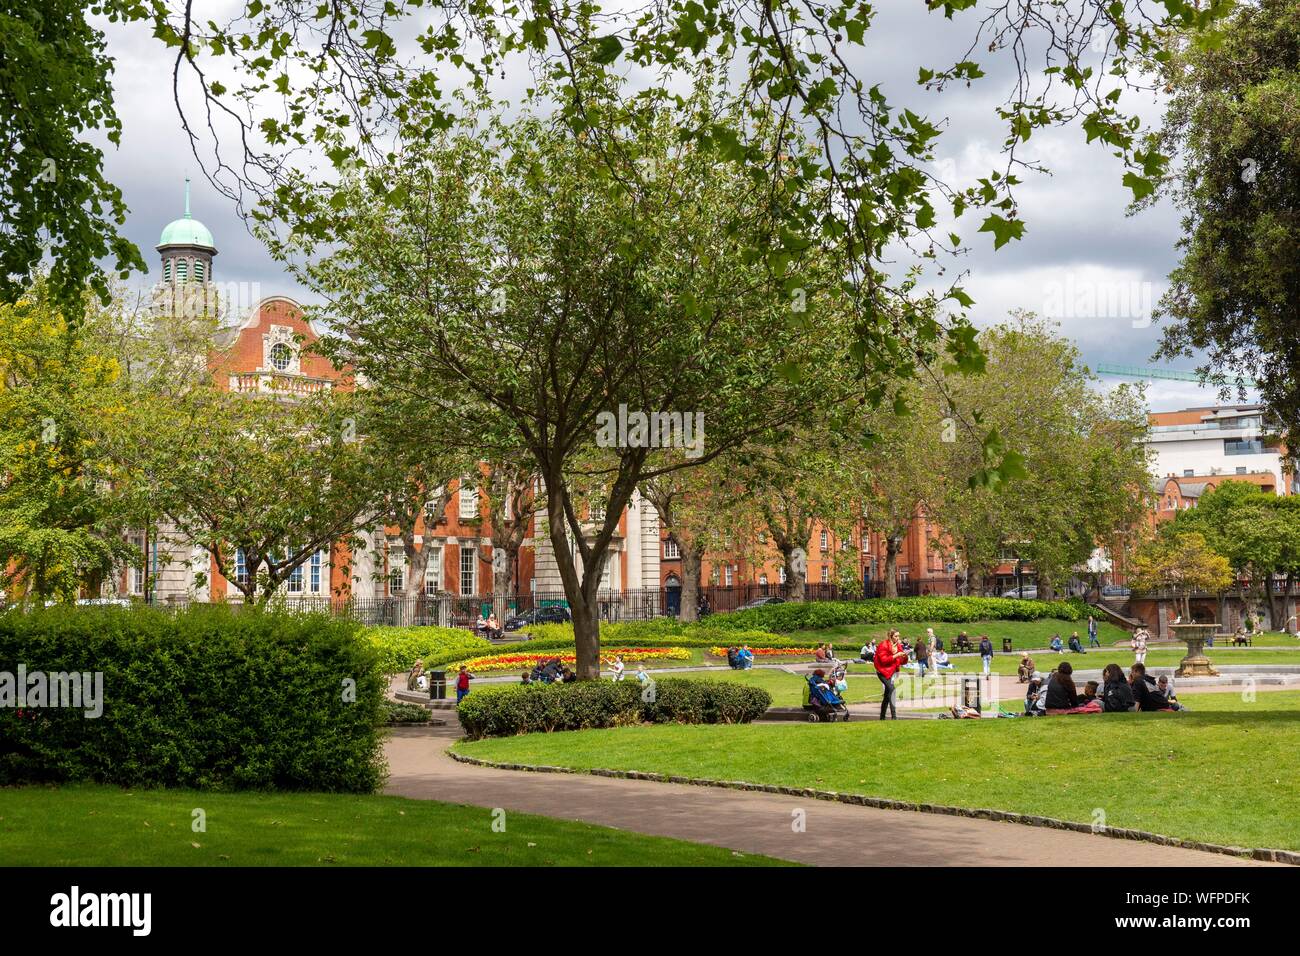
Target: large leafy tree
1181,563
1234,123
1081,466
501,260
61,517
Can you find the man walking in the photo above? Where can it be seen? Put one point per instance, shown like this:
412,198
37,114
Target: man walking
1092,632
986,653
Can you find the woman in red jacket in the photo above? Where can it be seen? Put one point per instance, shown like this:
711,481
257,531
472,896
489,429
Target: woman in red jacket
889,658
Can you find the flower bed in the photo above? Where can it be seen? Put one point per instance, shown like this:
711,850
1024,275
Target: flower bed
523,662
767,651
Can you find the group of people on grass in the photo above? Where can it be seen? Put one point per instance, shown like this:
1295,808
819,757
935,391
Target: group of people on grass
553,671
740,658
1057,693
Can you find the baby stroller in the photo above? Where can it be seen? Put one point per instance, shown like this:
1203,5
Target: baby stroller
821,702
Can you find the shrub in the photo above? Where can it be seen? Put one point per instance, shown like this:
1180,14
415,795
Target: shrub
545,708
208,698
392,712
815,615
400,647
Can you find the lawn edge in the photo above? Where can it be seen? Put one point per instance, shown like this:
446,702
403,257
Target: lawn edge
1263,854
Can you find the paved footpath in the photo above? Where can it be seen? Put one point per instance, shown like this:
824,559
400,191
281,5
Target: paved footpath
836,834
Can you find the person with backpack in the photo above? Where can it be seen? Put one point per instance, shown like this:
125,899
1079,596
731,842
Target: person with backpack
1092,632
889,658
1116,695
986,653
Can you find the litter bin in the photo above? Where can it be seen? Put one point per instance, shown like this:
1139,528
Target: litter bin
437,685
1006,645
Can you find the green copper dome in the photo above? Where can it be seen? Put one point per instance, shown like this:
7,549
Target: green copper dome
187,231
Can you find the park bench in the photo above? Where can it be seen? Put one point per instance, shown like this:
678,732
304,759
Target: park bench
961,644
1242,640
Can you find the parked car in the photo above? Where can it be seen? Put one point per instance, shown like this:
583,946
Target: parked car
1028,592
1115,590
761,602
551,614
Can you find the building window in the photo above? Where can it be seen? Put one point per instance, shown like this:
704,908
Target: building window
866,544
762,579
781,574
1188,472
396,569
1241,470
1244,447
826,574
468,499
671,551
281,356
731,575
241,568
433,570
607,574
824,540
597,511
294,583
317,562
468,565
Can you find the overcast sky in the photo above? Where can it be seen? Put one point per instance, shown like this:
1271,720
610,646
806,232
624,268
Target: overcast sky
1079,245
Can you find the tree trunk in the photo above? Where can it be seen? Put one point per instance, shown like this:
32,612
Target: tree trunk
501,575
796,573
1271,590
1046,589
692,558
417,563
893,544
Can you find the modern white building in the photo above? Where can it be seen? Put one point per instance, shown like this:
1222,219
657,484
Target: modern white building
1219,441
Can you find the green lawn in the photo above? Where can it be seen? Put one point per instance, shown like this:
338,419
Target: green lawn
85,825
787,689
1225,772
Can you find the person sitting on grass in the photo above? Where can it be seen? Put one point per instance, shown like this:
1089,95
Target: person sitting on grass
567,675
868,652
732,662
526,678
1056,644
1076,646
941,661
1145,691
1163,685
1025,669
1116,695
1089,692
820,654
1061,692
1035,696
745,657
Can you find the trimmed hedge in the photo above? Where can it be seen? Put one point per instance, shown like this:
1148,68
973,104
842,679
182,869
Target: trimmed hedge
815,615
674,634
400,647
209,698
586,705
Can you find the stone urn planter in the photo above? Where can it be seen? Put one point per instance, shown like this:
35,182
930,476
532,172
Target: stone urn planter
1195,664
